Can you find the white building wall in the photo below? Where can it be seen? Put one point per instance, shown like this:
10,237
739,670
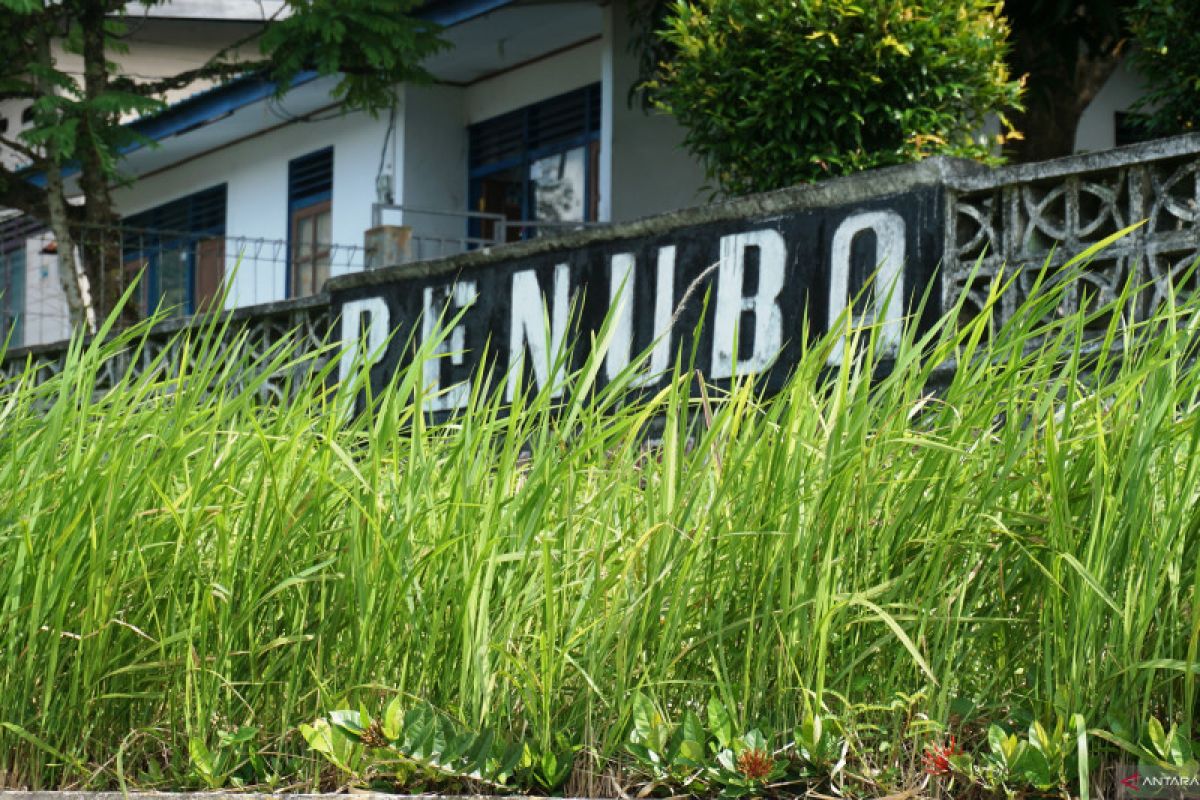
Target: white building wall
432,166
557,74
255,173
46,318
647,167
1097,125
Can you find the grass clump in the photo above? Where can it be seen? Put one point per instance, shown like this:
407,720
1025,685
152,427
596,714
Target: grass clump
812,590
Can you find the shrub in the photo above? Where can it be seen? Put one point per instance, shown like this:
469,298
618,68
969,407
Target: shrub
776,93
1168,55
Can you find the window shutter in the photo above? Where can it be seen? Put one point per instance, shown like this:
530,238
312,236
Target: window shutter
310,177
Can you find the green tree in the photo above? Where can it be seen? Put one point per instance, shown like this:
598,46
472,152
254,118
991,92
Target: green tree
371,45
1168,54
774,93
1065,51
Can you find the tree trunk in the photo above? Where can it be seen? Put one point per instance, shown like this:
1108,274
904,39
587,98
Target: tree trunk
68,275
1061,83
100,243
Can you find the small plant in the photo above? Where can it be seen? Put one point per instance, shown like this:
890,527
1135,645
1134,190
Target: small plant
945,759
746,766
233,761
821,743
710,757
1170,750
1045,759
422,748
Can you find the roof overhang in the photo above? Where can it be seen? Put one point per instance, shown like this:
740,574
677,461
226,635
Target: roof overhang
252,105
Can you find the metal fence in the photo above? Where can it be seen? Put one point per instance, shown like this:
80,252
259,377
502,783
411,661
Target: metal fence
175,273
437,233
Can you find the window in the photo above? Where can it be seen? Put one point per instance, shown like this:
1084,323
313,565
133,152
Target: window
181,247
12,295
539,164
310,213
1130,128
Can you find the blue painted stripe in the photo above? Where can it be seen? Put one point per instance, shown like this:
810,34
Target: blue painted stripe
453,12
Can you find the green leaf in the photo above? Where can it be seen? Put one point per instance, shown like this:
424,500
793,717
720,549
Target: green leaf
393,719
201,756
349,721
1158,738
646,719
1180,747
692,752
720,724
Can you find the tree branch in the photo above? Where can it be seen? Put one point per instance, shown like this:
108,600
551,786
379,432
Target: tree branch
22,148
180,80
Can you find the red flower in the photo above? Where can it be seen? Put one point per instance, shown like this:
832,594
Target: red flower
936,757
755,765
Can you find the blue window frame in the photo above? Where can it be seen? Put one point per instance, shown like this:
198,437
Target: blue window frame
12,296
538,164
15,236
180,246
310,222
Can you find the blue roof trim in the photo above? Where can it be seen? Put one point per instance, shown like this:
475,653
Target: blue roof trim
452,12
203,106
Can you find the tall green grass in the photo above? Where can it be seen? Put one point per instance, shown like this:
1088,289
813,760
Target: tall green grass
179,557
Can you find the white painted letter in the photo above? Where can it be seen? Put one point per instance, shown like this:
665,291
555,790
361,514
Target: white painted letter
888,286
529,328
764,304
355,351
440,306
622,273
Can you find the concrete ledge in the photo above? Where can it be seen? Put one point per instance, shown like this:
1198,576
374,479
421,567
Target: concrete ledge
174,325
1157,149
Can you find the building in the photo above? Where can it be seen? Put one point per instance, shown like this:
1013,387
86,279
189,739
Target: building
526,130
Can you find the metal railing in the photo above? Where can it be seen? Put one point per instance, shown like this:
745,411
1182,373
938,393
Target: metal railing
176,272
437,233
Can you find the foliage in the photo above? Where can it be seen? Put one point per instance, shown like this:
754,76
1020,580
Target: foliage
184,557
699,758
1169,749
234,761
1043,760
1168,55
422,750
772,94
